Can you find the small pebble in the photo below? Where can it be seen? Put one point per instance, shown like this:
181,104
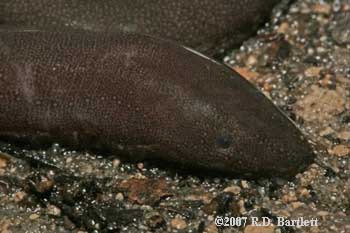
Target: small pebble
3,162
116,163
297,204
327,131
5,226
313,71
205,197
19,196
53,210
241,207
154,220
259,229
283,28
69,160
140,166
178,223
321,104
344,135
119,197
314,229
340,150
233,189
251,61
44,185
322,8
244,184
33,216
288,198
322,213
87,168
303,192
247,73
211,228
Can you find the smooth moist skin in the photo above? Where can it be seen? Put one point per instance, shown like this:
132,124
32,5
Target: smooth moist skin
142,98
205,25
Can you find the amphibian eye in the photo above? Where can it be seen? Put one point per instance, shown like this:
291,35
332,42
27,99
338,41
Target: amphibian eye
224,141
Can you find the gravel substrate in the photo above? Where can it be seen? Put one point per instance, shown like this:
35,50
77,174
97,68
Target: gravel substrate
301,61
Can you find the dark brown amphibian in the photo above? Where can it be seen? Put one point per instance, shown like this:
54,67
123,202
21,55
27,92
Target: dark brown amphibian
205,25
145,99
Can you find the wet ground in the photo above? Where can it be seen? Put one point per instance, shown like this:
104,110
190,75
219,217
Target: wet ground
301,61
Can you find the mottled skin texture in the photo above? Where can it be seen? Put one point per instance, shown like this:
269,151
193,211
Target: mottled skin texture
205,25
143,98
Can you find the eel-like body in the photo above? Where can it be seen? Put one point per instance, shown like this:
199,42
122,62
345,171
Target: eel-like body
205,25
143,98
